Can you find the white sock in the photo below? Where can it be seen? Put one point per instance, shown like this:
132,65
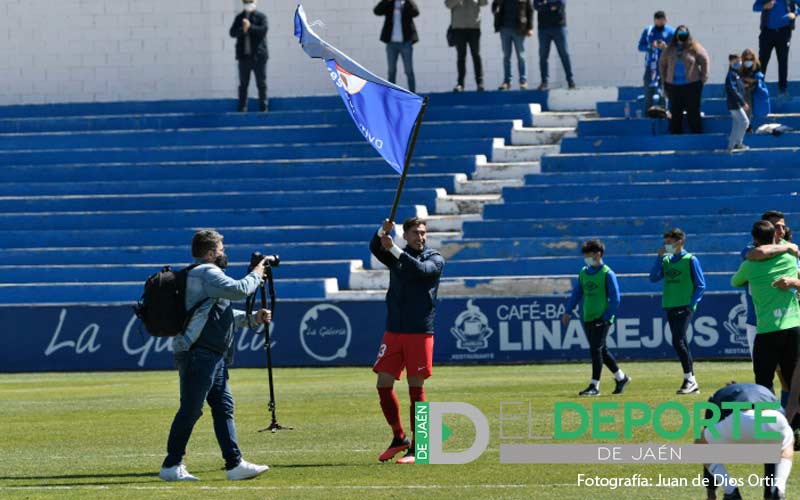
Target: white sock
689,376
619,376
782,471
596,383
720,470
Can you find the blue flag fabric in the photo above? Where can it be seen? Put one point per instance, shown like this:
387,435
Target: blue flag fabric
384,113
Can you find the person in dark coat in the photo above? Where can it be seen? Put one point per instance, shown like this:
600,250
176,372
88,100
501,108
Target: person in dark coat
399,34
249,29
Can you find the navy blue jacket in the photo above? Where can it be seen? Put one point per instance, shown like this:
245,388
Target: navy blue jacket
413,287
257,34
734,89
551,13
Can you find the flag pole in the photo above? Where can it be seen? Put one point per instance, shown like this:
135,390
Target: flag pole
409,154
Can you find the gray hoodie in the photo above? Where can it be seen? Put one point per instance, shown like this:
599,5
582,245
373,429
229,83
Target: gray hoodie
465,14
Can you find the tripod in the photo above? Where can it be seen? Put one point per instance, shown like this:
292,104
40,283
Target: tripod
274,426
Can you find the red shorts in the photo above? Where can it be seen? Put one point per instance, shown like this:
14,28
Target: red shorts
412,351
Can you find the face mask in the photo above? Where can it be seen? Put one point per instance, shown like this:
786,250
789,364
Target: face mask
589,261
683,36
748,64
250,7
669,249
221,261
736,65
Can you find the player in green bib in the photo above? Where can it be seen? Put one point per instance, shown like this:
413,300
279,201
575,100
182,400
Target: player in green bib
683,288
598,292
777,340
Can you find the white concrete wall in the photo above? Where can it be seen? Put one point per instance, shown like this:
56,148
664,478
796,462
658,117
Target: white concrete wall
101,50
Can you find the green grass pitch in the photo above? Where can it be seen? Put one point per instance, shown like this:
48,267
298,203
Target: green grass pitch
102,435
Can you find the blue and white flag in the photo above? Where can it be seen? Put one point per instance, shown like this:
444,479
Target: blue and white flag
384,113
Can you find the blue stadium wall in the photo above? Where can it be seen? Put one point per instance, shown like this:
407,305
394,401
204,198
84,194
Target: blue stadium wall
482,330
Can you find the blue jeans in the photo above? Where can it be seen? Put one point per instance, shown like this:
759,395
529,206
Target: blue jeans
559,36
406,50
509,36
203,377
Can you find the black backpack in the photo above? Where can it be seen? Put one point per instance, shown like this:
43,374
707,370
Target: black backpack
162,308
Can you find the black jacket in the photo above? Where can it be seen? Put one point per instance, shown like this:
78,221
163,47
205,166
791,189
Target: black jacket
552,14
410,11
791,6
524,15
413,287
257,34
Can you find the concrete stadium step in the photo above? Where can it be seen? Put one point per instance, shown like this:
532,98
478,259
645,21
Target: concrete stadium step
710,91
605,127
568,246
710,106
136,271
727,262
537,136
704,142
153,238
254,169
670,160
461,203
154,254
334,116
650,191
632,224
360,149
663,176
451,182
514,154
204,106
447,223
533,285
491,186
580,99
676,206
566,119
508,170
505,286
203,201
284,134
128,293
294,216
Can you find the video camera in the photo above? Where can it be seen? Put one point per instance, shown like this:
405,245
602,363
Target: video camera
256,258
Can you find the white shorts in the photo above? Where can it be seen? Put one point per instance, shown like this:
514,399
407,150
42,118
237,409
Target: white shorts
747,427
751,338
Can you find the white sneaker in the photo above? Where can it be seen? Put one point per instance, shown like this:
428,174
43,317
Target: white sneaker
246,470
176,473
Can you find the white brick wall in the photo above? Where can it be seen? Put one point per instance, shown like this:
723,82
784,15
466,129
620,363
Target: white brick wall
101,50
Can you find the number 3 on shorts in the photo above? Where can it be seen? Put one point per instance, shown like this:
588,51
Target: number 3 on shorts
381,351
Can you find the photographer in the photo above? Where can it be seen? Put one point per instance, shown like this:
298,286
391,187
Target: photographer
203,353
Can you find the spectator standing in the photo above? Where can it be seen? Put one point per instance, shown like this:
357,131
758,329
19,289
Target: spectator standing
513,19
655,38
552,17
684,67
399,34
465,21
249,29
777,24
734,90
